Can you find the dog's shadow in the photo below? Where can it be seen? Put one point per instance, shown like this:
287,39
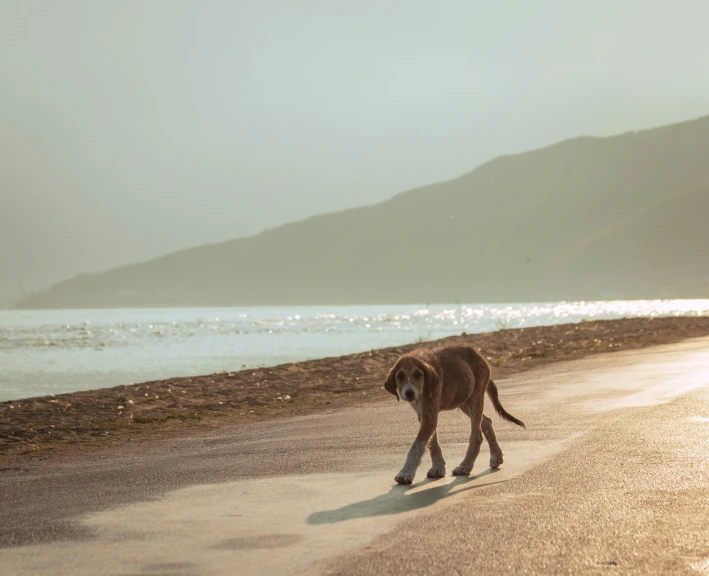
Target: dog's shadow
399,500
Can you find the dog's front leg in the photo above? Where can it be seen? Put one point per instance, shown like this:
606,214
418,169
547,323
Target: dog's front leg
438,464
429,421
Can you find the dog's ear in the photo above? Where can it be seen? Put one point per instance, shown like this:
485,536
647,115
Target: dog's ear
390,382
430,379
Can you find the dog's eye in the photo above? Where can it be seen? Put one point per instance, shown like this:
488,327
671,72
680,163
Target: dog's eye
399,375
418,375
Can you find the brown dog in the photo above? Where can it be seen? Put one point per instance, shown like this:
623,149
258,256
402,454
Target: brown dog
445,379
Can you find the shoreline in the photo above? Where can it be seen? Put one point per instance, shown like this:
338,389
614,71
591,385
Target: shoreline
94,419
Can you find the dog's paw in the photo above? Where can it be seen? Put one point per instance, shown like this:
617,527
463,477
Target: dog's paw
404,477
462,471
496,460
437,472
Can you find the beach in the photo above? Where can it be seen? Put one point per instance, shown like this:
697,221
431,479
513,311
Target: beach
95,419
50,352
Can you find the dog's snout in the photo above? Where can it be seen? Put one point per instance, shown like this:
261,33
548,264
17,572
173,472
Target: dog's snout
409,394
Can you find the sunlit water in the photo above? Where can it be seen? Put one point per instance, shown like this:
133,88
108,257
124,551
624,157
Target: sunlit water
55,351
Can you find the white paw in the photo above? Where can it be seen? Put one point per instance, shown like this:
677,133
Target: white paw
404,477
496,460
462,471
438,471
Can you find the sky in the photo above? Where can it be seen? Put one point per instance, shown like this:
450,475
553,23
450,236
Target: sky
133,128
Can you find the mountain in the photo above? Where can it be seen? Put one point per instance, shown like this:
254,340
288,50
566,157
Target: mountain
588,218
661,250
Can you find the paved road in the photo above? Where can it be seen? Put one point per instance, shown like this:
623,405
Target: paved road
611,477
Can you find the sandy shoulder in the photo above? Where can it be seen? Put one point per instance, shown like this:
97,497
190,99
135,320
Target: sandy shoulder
89,420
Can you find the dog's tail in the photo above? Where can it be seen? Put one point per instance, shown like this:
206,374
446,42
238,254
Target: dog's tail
492,393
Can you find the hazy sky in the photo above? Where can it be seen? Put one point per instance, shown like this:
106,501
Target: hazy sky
132,128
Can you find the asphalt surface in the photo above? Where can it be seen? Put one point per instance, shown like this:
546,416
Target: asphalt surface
610,477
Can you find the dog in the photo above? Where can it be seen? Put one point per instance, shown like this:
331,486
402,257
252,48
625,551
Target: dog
445,379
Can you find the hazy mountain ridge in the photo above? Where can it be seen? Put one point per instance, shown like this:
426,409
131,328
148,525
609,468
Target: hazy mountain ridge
561,222
675,227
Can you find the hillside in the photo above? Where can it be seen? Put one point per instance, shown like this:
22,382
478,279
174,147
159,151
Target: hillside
588,218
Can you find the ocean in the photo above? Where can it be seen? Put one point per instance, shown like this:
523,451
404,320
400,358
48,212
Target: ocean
46,352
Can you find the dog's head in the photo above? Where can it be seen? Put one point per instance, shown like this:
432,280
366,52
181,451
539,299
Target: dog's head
411,378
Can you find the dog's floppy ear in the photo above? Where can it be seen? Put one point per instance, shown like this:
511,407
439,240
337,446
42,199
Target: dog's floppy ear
430,379
390,383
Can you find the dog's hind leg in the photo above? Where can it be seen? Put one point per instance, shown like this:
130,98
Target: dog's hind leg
495,450
474,409
438,464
